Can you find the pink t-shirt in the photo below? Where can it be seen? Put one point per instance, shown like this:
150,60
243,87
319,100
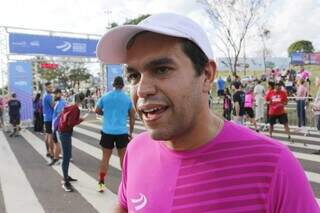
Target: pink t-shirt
249,99
238,171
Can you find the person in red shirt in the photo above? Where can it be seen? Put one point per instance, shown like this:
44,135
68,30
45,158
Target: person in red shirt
277,99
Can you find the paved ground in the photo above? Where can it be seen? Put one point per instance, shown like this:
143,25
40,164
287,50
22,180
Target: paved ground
28,185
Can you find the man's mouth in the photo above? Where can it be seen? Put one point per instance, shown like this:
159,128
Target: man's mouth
154,113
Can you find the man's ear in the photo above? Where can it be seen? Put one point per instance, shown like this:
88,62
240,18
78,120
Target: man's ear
209,75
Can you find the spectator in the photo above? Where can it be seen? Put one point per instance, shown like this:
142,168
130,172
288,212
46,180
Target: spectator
227,104
38,113
259,93
238,100
2,104
220,86
301,96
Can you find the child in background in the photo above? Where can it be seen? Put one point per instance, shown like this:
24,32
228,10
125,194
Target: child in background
248,107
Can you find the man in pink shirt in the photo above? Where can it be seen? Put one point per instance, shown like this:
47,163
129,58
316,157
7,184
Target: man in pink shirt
190,160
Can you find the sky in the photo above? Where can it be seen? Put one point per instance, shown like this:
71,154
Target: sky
288,20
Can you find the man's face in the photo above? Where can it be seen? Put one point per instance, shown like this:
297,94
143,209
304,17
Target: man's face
164,87
57,95
50,88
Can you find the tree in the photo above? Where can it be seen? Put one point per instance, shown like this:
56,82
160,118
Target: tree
301,46
78,74
264,36
232,20
137,20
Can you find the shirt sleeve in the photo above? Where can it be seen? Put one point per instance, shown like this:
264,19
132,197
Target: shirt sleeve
290,190
122,192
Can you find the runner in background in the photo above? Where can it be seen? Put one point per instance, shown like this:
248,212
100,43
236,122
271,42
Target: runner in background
227,104
14,114
38,113
238,100
116,108
259,93
248,107
277,99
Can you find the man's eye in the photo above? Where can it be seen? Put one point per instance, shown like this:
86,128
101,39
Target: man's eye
162,70
133,78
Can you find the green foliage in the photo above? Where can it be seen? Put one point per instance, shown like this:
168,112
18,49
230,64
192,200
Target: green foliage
113,24
137,20
46,74
301,46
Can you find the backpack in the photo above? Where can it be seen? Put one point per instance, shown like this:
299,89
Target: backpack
69,118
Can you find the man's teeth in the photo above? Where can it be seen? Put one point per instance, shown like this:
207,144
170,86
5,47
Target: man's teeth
151,110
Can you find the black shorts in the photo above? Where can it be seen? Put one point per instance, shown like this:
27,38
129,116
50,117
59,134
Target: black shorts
55,136
283,119
14,119
220,92
48,127
249,112
107,141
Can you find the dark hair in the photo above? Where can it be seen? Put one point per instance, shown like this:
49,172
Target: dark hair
271,84
38,95
13,95
118,82
47,84
198,58
196,55
57,91
237,85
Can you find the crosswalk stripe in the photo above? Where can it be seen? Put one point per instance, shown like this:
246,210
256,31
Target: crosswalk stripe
102,202
17,191
95,152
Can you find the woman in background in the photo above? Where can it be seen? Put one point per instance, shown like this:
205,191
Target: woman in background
38,114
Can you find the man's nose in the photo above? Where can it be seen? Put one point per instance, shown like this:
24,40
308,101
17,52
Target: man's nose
146,87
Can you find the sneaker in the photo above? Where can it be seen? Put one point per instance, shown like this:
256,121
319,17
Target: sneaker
67,187
71,179
101,187
53,162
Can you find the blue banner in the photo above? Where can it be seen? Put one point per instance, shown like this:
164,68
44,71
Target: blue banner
112,71
20,82
51,45
297,58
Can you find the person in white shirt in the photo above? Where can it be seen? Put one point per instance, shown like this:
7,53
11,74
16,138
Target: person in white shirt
259,92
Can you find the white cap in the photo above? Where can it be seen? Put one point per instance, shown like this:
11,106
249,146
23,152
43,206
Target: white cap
111,48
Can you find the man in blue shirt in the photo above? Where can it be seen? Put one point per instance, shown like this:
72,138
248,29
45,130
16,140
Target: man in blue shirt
57,109
220,86
47,105
116,107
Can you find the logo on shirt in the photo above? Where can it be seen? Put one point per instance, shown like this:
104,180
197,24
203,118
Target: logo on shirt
139,203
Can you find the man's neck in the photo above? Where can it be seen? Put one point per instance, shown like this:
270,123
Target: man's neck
203,132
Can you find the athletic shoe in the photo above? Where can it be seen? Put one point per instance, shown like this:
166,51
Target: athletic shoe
53,162
101,187
67,187
71,179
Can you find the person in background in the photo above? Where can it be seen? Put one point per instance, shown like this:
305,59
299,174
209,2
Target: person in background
227,104
301,98
38,113
238,100
259,93
115,107
248,107
220,86
14,114
69,118
2,104
277,99
60,103
47,105
316,107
